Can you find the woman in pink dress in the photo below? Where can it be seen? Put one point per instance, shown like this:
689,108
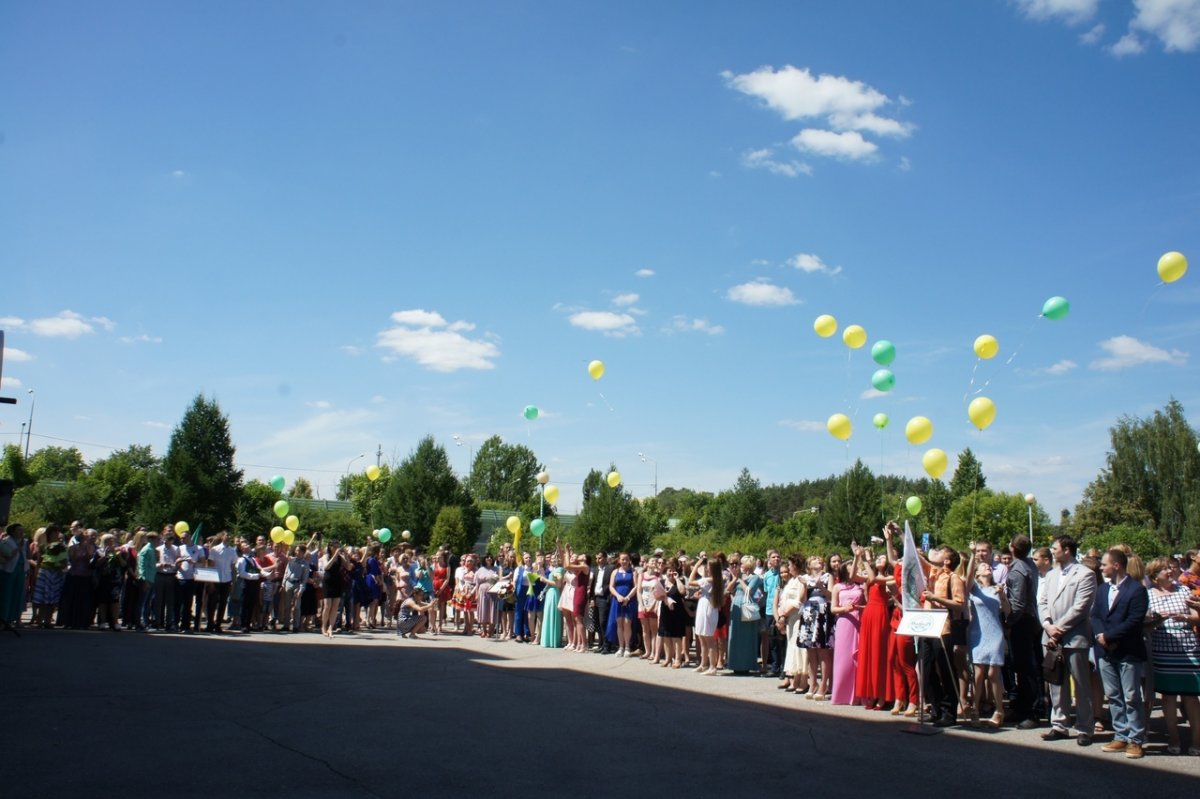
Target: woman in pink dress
847,604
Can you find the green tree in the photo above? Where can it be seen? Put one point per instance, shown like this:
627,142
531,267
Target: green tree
1141,539
364,493
936,503
609,520
852,513
420,487
44,503
13,466
302,489
198,481
56,463
1153,467
254,511
968,475
121,482
744,509
504,472
450,529
985,515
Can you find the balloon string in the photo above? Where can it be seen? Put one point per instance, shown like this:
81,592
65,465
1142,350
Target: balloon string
974,369
606,402
1142,315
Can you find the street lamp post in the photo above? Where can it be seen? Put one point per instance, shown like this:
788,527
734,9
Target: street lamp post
29,427
352,460
1030,501
645,458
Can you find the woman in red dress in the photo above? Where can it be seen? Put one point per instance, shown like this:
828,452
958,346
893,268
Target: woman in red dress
871,683
902,654
442,589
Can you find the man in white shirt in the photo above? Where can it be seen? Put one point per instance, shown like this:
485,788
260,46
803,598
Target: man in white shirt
165,582
189,593
222,557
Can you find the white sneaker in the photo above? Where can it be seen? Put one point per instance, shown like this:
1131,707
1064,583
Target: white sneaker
621,653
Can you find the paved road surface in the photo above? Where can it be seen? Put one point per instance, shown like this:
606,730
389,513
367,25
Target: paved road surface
131,715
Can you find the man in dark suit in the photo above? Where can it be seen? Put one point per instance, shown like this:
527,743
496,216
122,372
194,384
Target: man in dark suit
1117,618
1024,634
598,607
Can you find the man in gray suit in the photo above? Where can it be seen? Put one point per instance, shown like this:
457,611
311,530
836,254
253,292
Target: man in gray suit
1064,610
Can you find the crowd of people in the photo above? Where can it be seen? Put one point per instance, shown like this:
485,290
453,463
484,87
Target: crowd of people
1031,635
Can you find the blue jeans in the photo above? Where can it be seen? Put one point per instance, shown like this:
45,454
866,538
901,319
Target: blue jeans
1123,687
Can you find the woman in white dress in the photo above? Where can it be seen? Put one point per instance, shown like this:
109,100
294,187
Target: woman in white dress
711,588
788,601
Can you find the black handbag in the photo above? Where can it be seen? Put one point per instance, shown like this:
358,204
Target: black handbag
1054,667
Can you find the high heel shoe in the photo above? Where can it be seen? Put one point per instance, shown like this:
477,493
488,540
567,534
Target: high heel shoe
996,721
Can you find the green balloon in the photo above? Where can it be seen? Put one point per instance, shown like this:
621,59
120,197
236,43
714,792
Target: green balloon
1056,308
883,380
884,352
537,527
880,420
531,412
277,482
281,508
385,534
914,505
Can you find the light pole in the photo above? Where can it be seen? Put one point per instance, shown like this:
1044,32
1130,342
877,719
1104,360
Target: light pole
1030,500
29,427
645,458
352,460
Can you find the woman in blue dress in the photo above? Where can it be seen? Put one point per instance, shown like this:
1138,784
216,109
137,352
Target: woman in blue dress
552,623
535,584
743,632
374,581
623,606
985,635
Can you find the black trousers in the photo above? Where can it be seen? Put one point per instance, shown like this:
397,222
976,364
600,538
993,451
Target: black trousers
188,597
249,602
218,599
1025,641
941,689
600,609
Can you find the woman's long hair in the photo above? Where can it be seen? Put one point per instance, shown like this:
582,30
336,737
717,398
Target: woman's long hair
716,572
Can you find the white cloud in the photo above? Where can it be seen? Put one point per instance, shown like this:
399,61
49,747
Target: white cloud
66,324
11,322
350,349
143,338
157,425
1129,44
1126,351
1073,12
179,173
644,273
682,324
1176,23
803,425
764,159
378,399
443,350
905,164
809,263
872,393
320,404
9,382
762,292
846,145
105,322
1093,35
617,325
1060,368
14,355
628,298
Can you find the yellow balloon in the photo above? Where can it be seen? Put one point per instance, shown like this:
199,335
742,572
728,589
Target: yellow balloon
513,524
289,537
825,325
918,430
934,462
614,479
596,369
839,426
1172,266
854,336
277,534
551,494
982,412
986,347
293,523
372,472
181,528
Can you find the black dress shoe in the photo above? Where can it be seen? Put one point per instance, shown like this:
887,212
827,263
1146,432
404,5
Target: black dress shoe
945,721
1084,739
1028,724
1055,734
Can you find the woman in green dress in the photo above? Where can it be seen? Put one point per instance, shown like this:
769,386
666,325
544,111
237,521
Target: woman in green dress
552,622
12,575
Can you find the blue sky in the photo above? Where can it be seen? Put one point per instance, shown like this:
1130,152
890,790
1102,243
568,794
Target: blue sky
356,225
